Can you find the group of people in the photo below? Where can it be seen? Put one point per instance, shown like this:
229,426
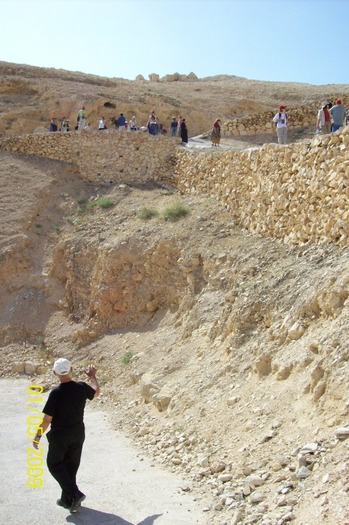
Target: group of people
178,127
65,123
153,127
330,118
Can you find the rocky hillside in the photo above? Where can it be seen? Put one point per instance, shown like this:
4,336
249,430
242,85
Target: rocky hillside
30,96
224,355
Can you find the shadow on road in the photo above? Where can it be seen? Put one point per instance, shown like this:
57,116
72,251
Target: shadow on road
87,516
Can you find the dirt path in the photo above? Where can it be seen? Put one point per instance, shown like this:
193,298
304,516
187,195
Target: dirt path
122,487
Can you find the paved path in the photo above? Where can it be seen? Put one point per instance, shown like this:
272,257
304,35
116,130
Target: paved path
122,488
204,145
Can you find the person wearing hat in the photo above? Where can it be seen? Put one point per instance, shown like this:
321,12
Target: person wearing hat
324,119
280,120
338,115
64,412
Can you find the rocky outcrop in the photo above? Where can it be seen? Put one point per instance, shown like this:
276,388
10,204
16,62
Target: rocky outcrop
154,77
173,77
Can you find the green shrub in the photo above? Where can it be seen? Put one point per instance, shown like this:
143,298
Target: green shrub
82,199
85,204
126,358
103,202
175,212
147,213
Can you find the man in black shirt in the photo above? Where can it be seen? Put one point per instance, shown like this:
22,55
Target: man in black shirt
64,411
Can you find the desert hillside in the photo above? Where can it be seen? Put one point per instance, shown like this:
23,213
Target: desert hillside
224,355
30,96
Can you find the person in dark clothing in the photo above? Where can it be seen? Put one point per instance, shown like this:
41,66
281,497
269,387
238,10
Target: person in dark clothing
53,125
184,131
121,122
173,127
64,411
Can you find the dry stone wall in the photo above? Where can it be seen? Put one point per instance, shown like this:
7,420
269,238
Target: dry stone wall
297,193
109,155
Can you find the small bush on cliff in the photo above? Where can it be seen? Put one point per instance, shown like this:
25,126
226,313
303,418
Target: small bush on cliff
82,199
175,212
86,205
126,358
147,213
102,202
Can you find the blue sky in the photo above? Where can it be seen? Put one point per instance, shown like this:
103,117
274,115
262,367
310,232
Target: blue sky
276,40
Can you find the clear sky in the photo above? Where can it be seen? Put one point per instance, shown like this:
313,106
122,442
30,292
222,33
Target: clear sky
276,40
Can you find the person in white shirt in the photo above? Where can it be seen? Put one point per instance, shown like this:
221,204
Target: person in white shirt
323,122
280,120
101,124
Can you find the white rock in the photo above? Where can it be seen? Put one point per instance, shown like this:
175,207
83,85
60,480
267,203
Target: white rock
303,473
256,481
309,447
342,432
256,497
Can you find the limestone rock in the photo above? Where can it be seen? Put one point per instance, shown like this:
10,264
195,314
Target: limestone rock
154,77
342,432
192,76
148,389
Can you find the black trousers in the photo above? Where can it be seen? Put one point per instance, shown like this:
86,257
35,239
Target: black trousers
63,458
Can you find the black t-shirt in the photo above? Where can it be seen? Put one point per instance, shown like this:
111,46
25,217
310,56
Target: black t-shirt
66,404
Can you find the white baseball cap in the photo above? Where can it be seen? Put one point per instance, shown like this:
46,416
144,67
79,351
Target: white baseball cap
62,366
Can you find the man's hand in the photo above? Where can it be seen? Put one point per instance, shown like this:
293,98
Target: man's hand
36,442
91,371
41,429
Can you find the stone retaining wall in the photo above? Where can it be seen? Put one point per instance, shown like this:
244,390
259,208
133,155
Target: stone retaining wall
297,193
102,156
